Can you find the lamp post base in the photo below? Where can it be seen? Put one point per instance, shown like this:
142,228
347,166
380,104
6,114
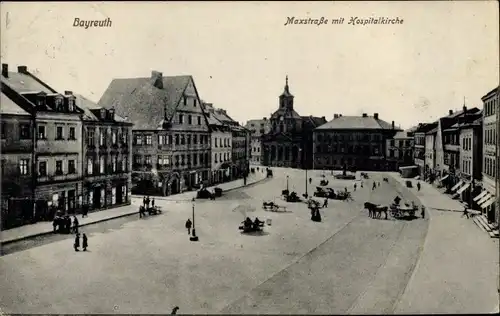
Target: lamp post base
193,238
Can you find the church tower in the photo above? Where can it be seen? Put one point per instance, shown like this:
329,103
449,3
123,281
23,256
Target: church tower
286,98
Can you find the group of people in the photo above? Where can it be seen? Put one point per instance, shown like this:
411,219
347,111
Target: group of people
85,243
248,224
63,224
146,201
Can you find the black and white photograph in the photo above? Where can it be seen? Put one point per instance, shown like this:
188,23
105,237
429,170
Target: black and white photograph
250,157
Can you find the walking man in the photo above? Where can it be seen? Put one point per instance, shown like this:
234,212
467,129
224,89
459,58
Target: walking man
374,185
418,186
153,203
144,201
85,211
189,224
75,224
147,201
76,245
325,203
84,242
422,212
355,186
310,180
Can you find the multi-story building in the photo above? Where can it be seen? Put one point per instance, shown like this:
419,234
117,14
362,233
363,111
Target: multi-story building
490,160
470,165
17,151
171,136
107,156
58,145
448,146
257,128
430,153
399,149
353,142
241,143
221,143
289,140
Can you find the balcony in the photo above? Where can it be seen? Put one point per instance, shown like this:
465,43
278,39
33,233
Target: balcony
452,147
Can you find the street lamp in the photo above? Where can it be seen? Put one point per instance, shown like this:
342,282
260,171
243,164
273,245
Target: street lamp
287,182
305,167
193,237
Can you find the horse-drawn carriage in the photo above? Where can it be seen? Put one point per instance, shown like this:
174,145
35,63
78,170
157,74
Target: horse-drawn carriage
343,196
150,210
247,226
290,196
322,193
323,182
203,193
273,207
376,210
364,175
269,173
398,211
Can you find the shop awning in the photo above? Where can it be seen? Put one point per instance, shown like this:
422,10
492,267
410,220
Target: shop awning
480,196
444,178
408,167
459,184
417,178
488,202
463,188
484,199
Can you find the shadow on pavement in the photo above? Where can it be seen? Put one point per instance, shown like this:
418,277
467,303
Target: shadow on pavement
261,233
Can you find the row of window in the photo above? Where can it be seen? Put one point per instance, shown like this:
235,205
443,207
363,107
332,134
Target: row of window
489,166
178,160
103,134
329,137
100,166
223,157
451,139
62,132
190,120
349,149
490,135
256,149
178,139
59,170
400,143
490,106
467,167
451,159
467,143
222,142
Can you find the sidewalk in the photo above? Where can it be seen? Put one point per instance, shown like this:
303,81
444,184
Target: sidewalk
458,269
45,228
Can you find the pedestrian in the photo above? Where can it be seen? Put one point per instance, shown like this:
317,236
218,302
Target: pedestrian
85,211
76,245
147,201
67,224
75,224
310,180
378,183
466,212
374,185
361,183
153,203
189,224
325,203
355,186
422,212
54,224
85,243
174,310
418,186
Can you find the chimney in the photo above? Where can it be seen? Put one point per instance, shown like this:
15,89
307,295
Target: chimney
392,124
375,115
324,118
66,92
450,112
22,69
464,109
365,115
335,116
5,70
340,115
157,78
265,118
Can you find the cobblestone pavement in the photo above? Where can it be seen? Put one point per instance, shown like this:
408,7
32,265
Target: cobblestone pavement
347,263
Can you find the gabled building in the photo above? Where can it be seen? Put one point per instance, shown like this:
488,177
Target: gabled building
353,142
17,148
257,128
58,147
107,156
289,141
399,149
221,143
171,136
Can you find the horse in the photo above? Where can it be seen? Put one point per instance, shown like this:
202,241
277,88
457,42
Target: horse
371,208
379,210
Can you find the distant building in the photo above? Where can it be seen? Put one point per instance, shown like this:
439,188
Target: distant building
399,149
58,146
221,136
430,152
420,148
257,128
353,142
289,143
171,137
107,156
17,140
490,167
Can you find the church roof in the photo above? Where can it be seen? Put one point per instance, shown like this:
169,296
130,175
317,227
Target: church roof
286,91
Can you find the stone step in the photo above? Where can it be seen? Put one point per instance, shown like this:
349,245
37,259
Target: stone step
484,222
476,221
495,233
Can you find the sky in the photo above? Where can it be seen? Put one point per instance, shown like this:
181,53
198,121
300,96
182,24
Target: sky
240,52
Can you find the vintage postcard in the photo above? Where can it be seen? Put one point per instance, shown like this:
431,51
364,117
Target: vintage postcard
249,157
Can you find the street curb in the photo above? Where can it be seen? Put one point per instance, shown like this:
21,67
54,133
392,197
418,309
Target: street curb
10,241
166,198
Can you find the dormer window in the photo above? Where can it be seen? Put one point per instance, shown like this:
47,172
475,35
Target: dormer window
185,100
71,104
103,114
194,102
58,103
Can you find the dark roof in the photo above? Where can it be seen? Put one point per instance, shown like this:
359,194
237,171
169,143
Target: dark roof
142,103
403,135
22,82
356,122
433,131
315,120
8,106
86,105
461,112
286,113
426,127
492,92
